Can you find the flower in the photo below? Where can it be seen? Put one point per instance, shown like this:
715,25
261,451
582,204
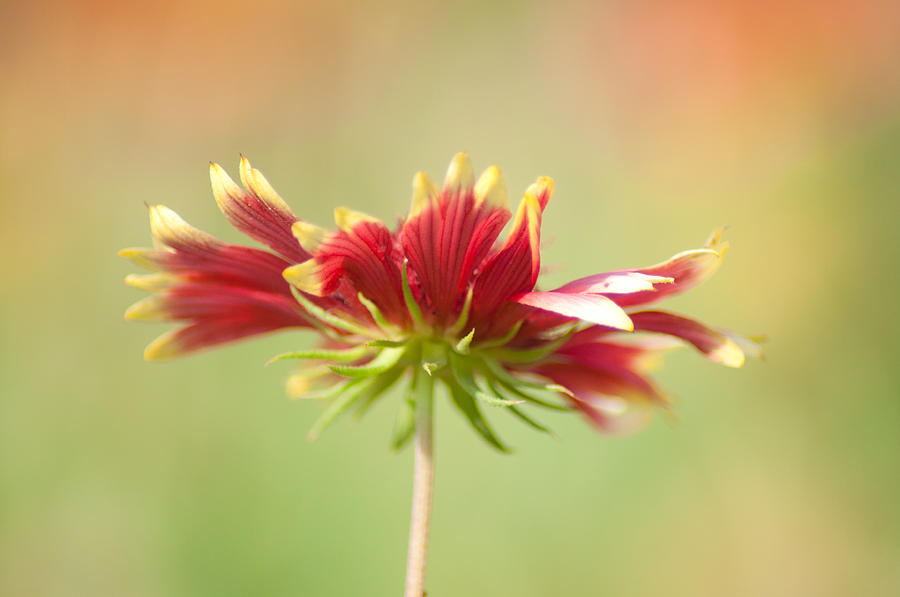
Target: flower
439,296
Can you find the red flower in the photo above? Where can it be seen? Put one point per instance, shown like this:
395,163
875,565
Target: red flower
440,292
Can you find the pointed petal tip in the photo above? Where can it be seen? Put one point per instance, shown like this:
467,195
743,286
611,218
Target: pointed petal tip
460,176
491,189
223,187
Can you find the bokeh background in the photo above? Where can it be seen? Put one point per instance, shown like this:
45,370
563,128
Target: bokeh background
659,122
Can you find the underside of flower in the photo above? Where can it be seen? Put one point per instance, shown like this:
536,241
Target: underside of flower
440,296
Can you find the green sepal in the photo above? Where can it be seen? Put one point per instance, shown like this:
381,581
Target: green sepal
411,305
386,359
348,394
518,412
324,317
462,374
529,355
529,421
325,354
376,314
383,382
462,346
503,341
463,318
466,404
385,344
496,371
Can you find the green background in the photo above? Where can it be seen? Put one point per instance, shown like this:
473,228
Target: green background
658,121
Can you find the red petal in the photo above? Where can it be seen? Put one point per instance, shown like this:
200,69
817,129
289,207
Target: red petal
366,257
444,243
257,211
515,267
714,344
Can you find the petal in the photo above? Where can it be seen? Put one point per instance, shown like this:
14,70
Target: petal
684,270
259,212
363,254
714,344
221,292
593,308
515,267
459,178
448,234
190,252
614,403
615,283
215,314
305,277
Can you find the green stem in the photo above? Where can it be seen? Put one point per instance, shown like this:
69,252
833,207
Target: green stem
423,484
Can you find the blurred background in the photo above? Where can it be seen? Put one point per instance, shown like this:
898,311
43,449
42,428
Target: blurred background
659,121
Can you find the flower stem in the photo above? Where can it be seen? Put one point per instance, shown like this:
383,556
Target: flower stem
423,483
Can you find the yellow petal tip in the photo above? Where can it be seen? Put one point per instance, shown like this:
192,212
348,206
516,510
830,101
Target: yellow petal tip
460,176
346,218
424,192
163,348
305,277
309,235
491,188
728,354
541,188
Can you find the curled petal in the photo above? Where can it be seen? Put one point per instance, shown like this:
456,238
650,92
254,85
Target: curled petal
593,308
673,276
615,283
714,344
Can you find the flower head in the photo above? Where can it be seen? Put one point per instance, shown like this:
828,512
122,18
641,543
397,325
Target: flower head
440,296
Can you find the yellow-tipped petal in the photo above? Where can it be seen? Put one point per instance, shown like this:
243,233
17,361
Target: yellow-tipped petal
152,308
305,276
163,348
309,235
253,180
529,210
491,188
224,189
168,226
346,218
728,354
542,187
141,257
459,174
152,282
424,192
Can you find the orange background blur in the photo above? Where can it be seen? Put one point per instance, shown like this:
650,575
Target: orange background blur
659,121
